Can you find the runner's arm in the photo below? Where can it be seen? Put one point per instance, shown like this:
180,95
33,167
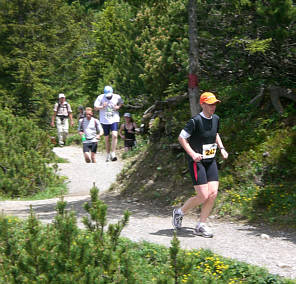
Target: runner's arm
98,105
121,130
80,130
71,118
101,131
221,147
196,157
137,130
119,104
53,118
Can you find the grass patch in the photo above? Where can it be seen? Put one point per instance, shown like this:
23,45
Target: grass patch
50,192
60,160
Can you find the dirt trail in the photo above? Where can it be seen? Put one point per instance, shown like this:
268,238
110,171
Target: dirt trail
261,246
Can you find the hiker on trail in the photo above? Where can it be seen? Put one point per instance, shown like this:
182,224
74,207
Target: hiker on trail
61,113
90,130
128,131
108,104
81,113
200,139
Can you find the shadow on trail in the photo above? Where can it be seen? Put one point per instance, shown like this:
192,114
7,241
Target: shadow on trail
255,230
185,232
46,212
116,207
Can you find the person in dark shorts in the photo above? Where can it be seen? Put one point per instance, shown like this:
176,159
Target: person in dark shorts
91,130
200,139
108,104
128,131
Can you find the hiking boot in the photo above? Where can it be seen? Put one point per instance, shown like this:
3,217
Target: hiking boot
113,157
108,157
203,231
177,219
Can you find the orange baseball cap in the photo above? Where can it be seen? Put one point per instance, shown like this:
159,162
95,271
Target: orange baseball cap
208,98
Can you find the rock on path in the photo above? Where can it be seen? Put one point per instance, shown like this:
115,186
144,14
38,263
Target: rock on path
260,246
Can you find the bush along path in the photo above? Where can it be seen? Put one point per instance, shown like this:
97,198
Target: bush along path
258,245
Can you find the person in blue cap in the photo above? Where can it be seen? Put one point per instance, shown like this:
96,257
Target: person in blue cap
108,104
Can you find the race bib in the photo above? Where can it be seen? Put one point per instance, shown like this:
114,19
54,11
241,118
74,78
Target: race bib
209,151
109,112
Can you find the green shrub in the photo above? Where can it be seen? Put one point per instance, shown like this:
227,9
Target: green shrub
262,182
74,139
62,253
25,151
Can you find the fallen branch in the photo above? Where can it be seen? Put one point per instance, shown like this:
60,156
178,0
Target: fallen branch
128,106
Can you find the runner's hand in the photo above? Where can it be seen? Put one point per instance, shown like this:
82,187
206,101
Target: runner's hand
196,157
224,154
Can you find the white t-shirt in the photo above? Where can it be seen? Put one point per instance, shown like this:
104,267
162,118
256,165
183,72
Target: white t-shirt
108,115
63,109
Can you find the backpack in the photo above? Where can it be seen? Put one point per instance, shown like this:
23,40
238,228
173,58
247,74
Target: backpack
60,105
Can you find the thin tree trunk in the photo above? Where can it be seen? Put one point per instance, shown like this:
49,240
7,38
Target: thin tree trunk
193,89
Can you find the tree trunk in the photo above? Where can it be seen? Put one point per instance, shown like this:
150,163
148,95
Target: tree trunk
193,90
276,93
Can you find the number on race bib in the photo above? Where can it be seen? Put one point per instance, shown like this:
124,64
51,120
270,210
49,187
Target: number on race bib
209,150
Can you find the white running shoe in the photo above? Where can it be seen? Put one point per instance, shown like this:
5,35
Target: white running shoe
204,231
108,157
113,157
177,219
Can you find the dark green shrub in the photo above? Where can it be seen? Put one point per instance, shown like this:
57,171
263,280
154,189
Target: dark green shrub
25,151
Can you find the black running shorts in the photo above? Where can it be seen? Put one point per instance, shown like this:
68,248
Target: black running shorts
129,143
90,146
203,172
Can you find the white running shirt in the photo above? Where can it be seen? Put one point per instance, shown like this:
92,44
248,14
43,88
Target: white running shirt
108,115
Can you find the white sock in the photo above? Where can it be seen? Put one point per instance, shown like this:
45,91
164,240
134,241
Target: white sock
112,154
199,224
179,211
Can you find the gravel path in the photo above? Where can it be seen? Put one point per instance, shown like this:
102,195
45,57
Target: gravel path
261,246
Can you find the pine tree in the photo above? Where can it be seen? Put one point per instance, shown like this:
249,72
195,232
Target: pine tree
25,151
